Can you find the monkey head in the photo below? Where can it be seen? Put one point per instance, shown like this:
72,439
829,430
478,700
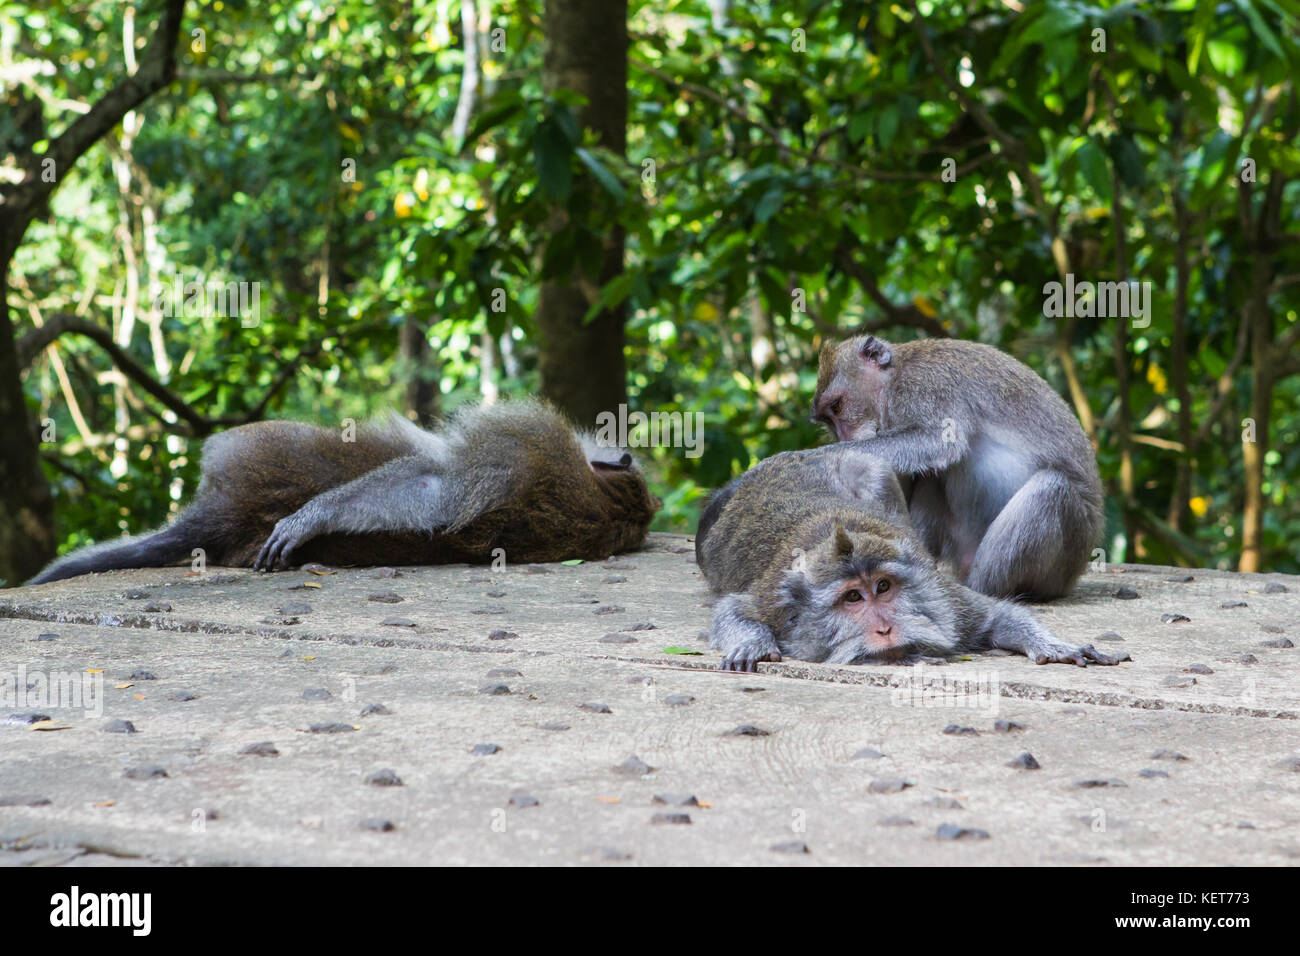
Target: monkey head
862,596
851,379
620,478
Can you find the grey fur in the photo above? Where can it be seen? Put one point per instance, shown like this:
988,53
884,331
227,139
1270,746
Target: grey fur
783,542
1002,482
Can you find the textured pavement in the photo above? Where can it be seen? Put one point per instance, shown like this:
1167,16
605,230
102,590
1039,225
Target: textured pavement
301,718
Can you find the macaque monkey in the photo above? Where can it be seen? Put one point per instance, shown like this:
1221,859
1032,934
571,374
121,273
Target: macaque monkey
814,559
1001,481
514,476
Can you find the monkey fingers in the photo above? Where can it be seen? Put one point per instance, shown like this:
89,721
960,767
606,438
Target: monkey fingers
747,659
287,536
1065,654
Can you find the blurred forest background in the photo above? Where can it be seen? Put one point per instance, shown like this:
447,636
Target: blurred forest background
667,203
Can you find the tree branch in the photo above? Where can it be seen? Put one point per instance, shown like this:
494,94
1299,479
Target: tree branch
157,68
905,315
61,323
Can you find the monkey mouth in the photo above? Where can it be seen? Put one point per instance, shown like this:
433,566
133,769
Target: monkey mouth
892,654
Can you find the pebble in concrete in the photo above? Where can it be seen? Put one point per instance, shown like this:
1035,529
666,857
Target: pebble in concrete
790,846
262,749
634,767
951,831
151,772
676,799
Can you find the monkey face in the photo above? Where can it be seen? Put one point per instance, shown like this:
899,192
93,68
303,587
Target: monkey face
862,599
851,377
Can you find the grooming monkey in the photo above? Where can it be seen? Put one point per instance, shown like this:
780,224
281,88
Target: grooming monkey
1001,480
514,476
814,558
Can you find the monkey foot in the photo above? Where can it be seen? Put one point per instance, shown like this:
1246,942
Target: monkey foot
284,540
1077,655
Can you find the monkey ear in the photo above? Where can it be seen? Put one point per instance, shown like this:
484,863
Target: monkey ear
874,350
843,543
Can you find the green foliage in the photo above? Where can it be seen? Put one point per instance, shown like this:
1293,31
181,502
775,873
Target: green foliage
772,162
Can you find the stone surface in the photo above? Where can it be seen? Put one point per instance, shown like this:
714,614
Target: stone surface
226,678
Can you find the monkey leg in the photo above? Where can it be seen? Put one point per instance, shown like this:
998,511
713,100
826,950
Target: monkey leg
406,494
1039,543
1006,625
737,632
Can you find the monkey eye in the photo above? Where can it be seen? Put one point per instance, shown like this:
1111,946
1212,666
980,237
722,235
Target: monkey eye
836,407
883,585
853,596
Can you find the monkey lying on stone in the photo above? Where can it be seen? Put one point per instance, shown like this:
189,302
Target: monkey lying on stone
1001,480
814,558
514,476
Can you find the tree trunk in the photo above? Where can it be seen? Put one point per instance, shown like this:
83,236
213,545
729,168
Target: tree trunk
1254,447
1182,492
26,508
422,396
582,364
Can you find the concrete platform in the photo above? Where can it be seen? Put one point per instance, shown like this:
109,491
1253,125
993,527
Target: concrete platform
1190,755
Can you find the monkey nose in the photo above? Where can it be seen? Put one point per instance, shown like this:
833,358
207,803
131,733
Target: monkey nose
885,631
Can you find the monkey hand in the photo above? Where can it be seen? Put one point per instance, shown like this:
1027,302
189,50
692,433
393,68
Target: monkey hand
746,656
1055,653
288,535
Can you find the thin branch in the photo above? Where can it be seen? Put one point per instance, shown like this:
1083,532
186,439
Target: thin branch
157,68
905,315
61,323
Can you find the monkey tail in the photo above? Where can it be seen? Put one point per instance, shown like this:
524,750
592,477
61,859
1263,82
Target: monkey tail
155,550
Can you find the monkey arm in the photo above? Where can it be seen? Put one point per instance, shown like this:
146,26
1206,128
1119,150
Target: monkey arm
1009,626
741,635
920,448
406,494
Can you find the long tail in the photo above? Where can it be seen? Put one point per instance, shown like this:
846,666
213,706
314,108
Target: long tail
155,550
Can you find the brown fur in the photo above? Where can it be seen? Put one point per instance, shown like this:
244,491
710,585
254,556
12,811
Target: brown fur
517,478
